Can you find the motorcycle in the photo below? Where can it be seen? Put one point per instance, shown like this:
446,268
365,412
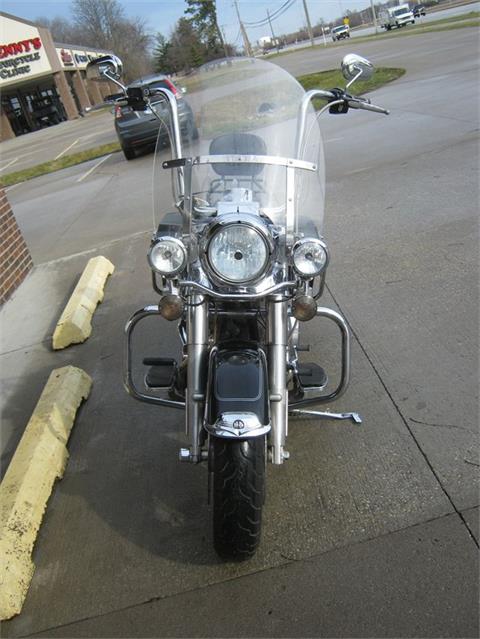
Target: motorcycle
239,265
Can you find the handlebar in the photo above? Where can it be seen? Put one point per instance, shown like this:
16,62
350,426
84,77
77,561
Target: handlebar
352,101
356,103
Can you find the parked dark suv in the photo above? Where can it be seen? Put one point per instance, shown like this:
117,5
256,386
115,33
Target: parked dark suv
137,129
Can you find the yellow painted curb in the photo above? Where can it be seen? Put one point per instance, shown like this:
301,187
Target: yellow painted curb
40,458
75,323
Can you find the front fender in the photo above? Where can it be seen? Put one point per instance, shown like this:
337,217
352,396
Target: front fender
237,405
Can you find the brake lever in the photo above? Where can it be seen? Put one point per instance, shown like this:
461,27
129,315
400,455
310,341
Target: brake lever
345,101
355,103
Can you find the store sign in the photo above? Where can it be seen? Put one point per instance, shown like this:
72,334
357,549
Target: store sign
66,58
72,59
22,53
19,57
81,59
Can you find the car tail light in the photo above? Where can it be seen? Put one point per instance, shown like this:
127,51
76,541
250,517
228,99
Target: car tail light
122,110
172,88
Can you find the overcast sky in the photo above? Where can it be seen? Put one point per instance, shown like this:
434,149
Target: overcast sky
161,15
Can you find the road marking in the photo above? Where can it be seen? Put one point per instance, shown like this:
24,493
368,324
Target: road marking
67,149
364,168
90,135
26,155
85,175
334,139
14,186
9,163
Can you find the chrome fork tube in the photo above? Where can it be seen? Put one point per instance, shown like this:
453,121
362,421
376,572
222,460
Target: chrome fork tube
277,372
197,349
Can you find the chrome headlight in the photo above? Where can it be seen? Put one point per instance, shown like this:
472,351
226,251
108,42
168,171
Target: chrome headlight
310,257
238,253
167,256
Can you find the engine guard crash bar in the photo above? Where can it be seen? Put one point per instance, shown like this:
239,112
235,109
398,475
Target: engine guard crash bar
128,376
345,371
164,401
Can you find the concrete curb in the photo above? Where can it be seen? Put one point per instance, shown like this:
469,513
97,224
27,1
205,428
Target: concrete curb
39,460
75,323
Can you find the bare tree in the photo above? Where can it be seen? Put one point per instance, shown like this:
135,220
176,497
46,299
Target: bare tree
103,24
62,30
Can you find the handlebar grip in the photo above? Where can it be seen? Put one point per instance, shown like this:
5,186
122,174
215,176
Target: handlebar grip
321,93
367,106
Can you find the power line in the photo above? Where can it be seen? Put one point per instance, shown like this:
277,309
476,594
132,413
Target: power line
273,16
276,14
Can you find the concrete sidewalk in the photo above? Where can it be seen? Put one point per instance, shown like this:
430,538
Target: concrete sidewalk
359,539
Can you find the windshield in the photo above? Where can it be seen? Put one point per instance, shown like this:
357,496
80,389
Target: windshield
399,12
237,108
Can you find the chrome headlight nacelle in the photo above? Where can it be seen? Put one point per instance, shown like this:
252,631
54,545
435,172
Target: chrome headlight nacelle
238,248
167,256
310,257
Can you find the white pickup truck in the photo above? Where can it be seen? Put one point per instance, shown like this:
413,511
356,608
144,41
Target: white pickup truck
396,17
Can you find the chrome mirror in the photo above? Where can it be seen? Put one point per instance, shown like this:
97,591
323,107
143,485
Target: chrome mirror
354,67
107,67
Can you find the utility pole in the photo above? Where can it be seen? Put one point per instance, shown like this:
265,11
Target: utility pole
274,40
309,26
246,42
270,23
222,39
221,35
374,16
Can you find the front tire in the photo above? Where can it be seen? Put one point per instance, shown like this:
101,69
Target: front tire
129,153
238,483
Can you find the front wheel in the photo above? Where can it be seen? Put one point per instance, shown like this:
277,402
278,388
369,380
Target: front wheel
238,483
129,153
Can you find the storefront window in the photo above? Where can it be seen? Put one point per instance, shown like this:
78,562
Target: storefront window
33,108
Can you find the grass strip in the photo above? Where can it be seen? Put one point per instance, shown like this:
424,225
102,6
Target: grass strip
463,16
334,78
56,165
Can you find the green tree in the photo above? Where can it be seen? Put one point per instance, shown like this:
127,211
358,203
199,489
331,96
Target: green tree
185,49
161,60
203,16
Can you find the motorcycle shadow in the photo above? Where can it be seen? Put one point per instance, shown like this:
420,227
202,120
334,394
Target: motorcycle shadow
124,466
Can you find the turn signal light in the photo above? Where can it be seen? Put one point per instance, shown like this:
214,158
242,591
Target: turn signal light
171,307
304,308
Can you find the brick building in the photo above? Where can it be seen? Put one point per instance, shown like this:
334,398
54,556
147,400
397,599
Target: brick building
42,82
15,259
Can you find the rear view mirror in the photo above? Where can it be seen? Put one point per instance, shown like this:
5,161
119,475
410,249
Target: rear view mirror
355,67
107,67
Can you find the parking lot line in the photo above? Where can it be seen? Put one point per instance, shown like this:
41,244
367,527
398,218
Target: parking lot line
85,175
12,187
8,164
67,149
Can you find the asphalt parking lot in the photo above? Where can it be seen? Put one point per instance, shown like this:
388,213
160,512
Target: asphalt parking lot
370,531
55,142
